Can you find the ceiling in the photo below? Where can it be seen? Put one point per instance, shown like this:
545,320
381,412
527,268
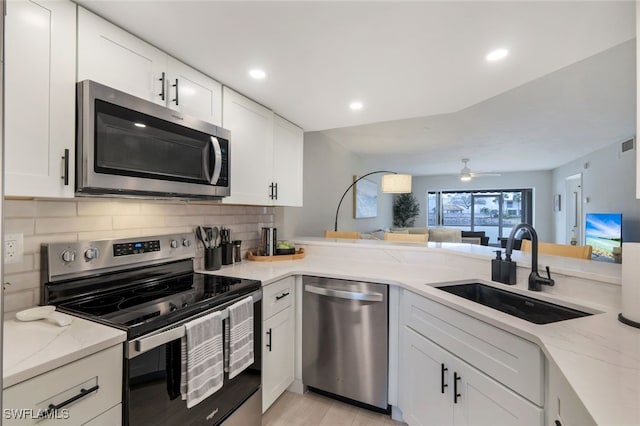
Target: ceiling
400,59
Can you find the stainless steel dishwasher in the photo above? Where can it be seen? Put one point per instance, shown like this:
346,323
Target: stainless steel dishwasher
345,339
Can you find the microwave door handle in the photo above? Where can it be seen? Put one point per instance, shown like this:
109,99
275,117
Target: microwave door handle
217,164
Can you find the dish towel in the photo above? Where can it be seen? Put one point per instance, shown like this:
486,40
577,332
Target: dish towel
202,366
240,336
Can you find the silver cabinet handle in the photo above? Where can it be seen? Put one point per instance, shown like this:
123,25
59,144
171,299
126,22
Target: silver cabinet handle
341,294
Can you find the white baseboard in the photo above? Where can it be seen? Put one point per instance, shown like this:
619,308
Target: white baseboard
296,387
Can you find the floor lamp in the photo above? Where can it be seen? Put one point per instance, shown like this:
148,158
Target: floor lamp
392,183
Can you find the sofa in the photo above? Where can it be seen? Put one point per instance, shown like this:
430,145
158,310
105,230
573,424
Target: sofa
447,235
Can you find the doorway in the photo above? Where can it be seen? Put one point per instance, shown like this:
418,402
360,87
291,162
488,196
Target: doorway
573,211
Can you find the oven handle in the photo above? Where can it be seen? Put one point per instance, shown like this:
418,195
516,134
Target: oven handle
145,344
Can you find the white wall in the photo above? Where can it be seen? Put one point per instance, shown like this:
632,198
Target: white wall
608,182
540,181
328,171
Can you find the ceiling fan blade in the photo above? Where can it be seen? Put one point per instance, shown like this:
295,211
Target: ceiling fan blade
484,174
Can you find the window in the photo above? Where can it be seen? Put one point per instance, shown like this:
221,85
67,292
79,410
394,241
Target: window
495,212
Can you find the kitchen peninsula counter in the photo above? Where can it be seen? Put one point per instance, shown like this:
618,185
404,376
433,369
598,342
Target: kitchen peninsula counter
597,355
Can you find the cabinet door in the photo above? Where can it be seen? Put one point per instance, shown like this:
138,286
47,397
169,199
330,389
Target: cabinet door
112,417
277,356
113,57
287,163
250,148
563,406
426,387
193,93
485,402
39,97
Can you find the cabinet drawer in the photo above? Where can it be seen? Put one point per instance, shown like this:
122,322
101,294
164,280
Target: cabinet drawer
509,359
277,296
27,399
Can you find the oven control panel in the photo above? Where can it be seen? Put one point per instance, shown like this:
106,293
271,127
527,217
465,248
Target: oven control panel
62,260
136,247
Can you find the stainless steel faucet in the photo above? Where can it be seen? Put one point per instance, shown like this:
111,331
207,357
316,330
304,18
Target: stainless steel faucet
535,280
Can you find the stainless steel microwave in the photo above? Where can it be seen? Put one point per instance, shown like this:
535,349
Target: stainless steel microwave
128,146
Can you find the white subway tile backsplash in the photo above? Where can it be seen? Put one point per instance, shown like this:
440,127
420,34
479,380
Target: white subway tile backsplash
108,208
19,300
162,209
21,281
55,209
203,209
75,224
32,243
108,234
43,221
19,208
137,222
26,265
166,230
190,221
19,226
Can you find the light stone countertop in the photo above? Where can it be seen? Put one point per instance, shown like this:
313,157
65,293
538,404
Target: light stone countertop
598,355
35,347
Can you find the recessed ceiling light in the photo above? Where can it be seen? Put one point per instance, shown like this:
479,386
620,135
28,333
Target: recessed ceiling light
140,125
355,105
496,55
258,74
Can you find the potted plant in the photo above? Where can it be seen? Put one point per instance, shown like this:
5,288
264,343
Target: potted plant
405,210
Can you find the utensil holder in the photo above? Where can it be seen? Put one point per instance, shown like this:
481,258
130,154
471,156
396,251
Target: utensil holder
212,258
227,254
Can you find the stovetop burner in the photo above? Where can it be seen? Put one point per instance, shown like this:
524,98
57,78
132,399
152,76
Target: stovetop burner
138,305
101,305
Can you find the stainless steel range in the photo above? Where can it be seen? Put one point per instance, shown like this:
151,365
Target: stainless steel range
147,287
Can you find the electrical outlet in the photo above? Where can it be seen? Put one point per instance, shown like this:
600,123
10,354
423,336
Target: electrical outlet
13,248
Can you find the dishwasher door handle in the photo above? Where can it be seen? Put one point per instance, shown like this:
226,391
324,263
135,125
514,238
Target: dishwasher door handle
341,294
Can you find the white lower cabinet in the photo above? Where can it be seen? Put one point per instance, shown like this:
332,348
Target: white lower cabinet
456,370
111,417
278,340
564,408
86,391
440,389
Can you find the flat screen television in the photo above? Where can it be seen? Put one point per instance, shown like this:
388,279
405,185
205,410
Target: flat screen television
603,232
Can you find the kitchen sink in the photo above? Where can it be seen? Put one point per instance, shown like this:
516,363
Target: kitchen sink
527,308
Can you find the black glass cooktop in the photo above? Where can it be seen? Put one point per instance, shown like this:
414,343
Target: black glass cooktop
143,307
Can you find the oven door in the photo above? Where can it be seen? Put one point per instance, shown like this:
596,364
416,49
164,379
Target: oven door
129,145
152,395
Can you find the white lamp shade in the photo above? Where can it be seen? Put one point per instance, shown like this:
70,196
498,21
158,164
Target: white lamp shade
396,184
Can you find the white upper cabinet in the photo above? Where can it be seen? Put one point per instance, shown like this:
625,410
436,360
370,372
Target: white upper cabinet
287,163
193,93
250,148
40,40
113,57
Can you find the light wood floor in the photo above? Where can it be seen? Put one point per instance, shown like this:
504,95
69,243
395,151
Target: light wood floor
312,409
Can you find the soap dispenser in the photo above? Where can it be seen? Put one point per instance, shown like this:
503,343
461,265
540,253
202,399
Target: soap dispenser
508,271
496,266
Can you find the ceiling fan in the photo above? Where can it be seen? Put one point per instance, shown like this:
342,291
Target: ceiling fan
466,175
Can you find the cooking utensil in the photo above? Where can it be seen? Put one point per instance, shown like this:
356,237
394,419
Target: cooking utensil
214,232
225,235
202,236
